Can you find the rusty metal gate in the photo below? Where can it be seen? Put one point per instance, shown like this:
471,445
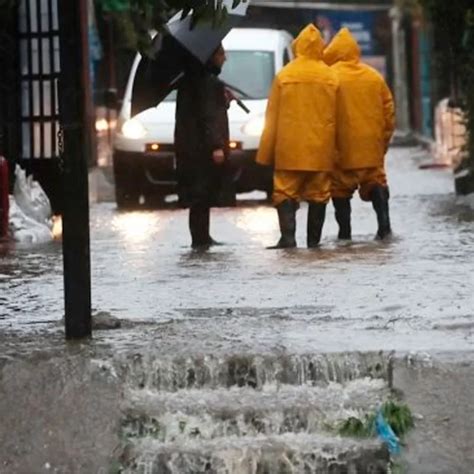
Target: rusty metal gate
39,68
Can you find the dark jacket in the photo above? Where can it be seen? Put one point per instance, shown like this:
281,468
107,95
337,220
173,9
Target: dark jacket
201,127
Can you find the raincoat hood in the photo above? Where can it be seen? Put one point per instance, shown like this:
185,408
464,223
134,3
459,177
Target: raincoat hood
343,47
309,43
300,122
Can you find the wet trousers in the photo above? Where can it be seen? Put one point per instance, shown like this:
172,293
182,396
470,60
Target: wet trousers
310,186
346,182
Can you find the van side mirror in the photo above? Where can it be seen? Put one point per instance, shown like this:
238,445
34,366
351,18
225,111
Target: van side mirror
112,100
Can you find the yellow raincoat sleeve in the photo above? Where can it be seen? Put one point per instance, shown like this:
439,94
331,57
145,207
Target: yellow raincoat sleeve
389,114
266,149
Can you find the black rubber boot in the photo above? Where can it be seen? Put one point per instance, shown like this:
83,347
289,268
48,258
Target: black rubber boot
316,216
287,219
380,196
199,216
342,207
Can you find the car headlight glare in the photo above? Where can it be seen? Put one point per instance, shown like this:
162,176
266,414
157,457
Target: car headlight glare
254,127
133,129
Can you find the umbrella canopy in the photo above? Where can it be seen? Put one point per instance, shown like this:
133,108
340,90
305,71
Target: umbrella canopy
179,47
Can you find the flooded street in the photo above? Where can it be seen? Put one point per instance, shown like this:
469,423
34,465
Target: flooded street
242,360
413,293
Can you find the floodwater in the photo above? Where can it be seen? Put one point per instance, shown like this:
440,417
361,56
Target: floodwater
409,293
242,360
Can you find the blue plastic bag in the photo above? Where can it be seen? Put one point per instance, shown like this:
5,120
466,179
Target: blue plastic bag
386,434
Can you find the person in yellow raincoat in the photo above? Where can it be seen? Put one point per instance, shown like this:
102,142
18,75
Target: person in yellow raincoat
299,137
365,124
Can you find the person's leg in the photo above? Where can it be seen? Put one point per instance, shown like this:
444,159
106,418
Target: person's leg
374,188
344,182
285,194
199,210
317,192
199,214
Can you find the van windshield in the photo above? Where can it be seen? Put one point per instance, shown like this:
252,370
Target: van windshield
250,71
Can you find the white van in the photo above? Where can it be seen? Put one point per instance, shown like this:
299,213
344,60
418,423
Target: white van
143,156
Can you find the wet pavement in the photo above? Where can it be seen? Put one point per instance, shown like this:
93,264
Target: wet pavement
243,360
412,293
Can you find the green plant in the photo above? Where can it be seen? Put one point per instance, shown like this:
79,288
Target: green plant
396,468
357,428
397,415
133,19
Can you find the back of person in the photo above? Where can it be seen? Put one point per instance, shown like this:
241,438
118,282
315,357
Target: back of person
300,137
301,116
365,123
365,107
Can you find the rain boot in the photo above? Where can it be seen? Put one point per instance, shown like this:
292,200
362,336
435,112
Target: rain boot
199,216
380,196
316,216
342,207
287,219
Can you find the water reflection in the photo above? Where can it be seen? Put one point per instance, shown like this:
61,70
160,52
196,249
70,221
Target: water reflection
258,223
136,227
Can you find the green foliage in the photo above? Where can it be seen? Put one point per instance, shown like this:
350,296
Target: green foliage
396,468
355,428
397,415
133,19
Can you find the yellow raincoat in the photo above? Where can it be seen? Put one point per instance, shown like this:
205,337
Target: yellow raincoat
365,117
300,123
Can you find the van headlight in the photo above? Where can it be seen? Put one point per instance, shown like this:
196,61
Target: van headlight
133,129
254,127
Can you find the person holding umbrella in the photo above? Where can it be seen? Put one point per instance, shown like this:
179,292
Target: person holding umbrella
202,143
189,56
299,137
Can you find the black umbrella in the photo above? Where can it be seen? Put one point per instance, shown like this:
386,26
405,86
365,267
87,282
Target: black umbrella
176,49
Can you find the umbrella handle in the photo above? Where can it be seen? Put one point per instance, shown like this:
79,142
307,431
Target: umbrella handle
230,97
242,106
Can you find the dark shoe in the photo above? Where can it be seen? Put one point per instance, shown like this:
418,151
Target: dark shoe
199,216
316,216
342,207
287,219
380,196
214,243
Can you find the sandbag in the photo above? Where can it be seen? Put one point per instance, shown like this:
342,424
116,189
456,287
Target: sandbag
31,198
24,229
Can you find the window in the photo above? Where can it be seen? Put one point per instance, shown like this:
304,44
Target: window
250,71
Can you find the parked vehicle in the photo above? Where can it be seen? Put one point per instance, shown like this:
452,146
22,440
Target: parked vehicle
143,155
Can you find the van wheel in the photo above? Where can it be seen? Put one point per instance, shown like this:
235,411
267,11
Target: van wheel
126,198
153,200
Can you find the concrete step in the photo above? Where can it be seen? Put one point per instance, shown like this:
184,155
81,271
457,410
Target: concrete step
277,409
153,371
283,454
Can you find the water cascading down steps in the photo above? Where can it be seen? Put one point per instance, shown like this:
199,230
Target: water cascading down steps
251,414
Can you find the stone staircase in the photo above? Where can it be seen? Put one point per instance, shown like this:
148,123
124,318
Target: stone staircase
251,414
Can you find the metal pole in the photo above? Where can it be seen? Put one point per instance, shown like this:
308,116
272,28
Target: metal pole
73,94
